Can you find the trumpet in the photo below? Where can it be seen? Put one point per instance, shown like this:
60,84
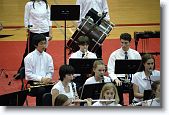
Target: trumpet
96,100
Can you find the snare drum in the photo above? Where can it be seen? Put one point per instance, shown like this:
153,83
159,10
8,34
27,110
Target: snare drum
96,34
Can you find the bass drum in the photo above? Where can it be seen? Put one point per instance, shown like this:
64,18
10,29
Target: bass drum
96,34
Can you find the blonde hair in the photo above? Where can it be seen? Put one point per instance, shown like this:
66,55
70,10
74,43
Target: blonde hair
109,86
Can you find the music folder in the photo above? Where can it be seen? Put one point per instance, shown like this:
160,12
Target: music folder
127,66
82,66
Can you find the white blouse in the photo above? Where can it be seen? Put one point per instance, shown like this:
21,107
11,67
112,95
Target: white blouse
143,82
92,80
59,86
37,16
100,104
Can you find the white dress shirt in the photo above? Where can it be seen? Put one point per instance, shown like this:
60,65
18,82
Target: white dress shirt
38,65
120,54
59,86
78,54
92,80
38,17
143,82
99,5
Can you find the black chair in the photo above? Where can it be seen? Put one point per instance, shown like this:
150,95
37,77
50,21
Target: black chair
47,99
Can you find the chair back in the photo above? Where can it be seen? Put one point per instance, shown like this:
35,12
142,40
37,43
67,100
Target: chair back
47,99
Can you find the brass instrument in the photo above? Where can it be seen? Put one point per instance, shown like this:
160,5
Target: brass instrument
39,84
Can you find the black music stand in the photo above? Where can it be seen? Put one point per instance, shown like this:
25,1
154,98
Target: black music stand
127,67
14,99
65,12
91,91
82,66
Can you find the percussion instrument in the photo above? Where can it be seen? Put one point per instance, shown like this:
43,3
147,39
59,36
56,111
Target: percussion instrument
96,33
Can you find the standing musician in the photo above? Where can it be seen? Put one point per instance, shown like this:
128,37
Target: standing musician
65,85
39,67
37,21
100,6
98,73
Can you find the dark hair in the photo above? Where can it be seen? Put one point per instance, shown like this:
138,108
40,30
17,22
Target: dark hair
65,69
125,36
38,38
41,0
82,40
146,57
60,100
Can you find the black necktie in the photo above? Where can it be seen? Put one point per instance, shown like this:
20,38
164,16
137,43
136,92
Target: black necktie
83,55
126,56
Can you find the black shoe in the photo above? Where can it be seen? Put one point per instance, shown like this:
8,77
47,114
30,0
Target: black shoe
17,76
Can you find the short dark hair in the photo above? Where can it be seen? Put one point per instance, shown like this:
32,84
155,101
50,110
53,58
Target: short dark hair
82,40
38,38
125,36
65,69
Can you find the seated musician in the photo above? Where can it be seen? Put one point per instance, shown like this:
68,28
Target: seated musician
142,80
125,52
39,68
83,43
65,85
98,73
110,94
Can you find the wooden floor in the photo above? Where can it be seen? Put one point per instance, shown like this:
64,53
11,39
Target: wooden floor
128,16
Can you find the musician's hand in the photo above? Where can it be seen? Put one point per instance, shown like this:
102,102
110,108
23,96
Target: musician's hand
88,101
118,82
46,80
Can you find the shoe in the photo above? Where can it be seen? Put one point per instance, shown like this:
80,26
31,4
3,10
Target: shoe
17,76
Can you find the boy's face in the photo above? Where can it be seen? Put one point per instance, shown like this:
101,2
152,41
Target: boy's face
41,46
84,47
125,44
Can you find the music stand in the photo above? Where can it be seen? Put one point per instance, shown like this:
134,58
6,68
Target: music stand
91,91
65,12
82,66
147,95
14,99
127,66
